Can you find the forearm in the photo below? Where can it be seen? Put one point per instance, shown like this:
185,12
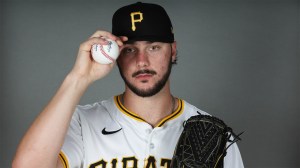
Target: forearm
42,143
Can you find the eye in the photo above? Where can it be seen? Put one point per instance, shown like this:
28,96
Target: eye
154,47
129,50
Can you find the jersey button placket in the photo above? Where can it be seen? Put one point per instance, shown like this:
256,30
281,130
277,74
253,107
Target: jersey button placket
154,143
151,145
150,142
148,131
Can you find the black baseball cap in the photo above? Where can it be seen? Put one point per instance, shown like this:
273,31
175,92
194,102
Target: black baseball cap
143,22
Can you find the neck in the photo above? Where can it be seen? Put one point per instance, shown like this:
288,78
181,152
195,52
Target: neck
152,109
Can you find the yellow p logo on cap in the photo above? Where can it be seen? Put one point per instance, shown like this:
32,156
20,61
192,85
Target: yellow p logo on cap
134,19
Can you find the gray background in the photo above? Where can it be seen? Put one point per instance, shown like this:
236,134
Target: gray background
238,60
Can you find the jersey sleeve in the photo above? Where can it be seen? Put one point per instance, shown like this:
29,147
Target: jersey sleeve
72,150
233,158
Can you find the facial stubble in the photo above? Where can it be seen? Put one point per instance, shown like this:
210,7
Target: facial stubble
150,91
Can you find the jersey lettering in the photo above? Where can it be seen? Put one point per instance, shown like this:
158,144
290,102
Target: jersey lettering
132,162
129,162
165,163
150,162
135,19
101,163
114,163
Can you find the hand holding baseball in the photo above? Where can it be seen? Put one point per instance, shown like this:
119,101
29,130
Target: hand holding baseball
86,65
105,54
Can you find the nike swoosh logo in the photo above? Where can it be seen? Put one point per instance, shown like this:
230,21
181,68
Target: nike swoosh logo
104,132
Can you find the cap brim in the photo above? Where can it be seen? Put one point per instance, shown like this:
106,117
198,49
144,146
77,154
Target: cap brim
151,39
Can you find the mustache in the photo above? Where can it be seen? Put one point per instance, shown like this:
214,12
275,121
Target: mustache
144,71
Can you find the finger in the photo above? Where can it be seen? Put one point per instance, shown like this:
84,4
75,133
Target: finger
87,45
104,34
99,33
121,40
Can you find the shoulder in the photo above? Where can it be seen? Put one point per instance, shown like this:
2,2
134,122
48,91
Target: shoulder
191,110
97,110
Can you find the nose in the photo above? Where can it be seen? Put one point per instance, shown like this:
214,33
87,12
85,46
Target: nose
142,59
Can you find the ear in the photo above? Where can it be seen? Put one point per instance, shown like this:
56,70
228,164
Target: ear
174,51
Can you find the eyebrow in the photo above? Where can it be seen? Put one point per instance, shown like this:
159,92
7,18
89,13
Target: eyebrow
133,42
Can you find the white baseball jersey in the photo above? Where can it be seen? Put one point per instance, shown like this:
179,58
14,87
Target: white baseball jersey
107,135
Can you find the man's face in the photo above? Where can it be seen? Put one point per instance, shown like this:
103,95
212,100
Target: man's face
146,66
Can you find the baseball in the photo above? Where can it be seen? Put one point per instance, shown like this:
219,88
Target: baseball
105,54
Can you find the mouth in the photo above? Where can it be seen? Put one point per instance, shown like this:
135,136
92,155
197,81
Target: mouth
143,73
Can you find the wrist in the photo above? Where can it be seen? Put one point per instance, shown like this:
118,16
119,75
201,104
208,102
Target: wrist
78,82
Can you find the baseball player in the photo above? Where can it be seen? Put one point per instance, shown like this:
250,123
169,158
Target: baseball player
136,129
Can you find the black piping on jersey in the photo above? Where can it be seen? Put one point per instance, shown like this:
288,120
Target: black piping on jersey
63,160
176,113
119,103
